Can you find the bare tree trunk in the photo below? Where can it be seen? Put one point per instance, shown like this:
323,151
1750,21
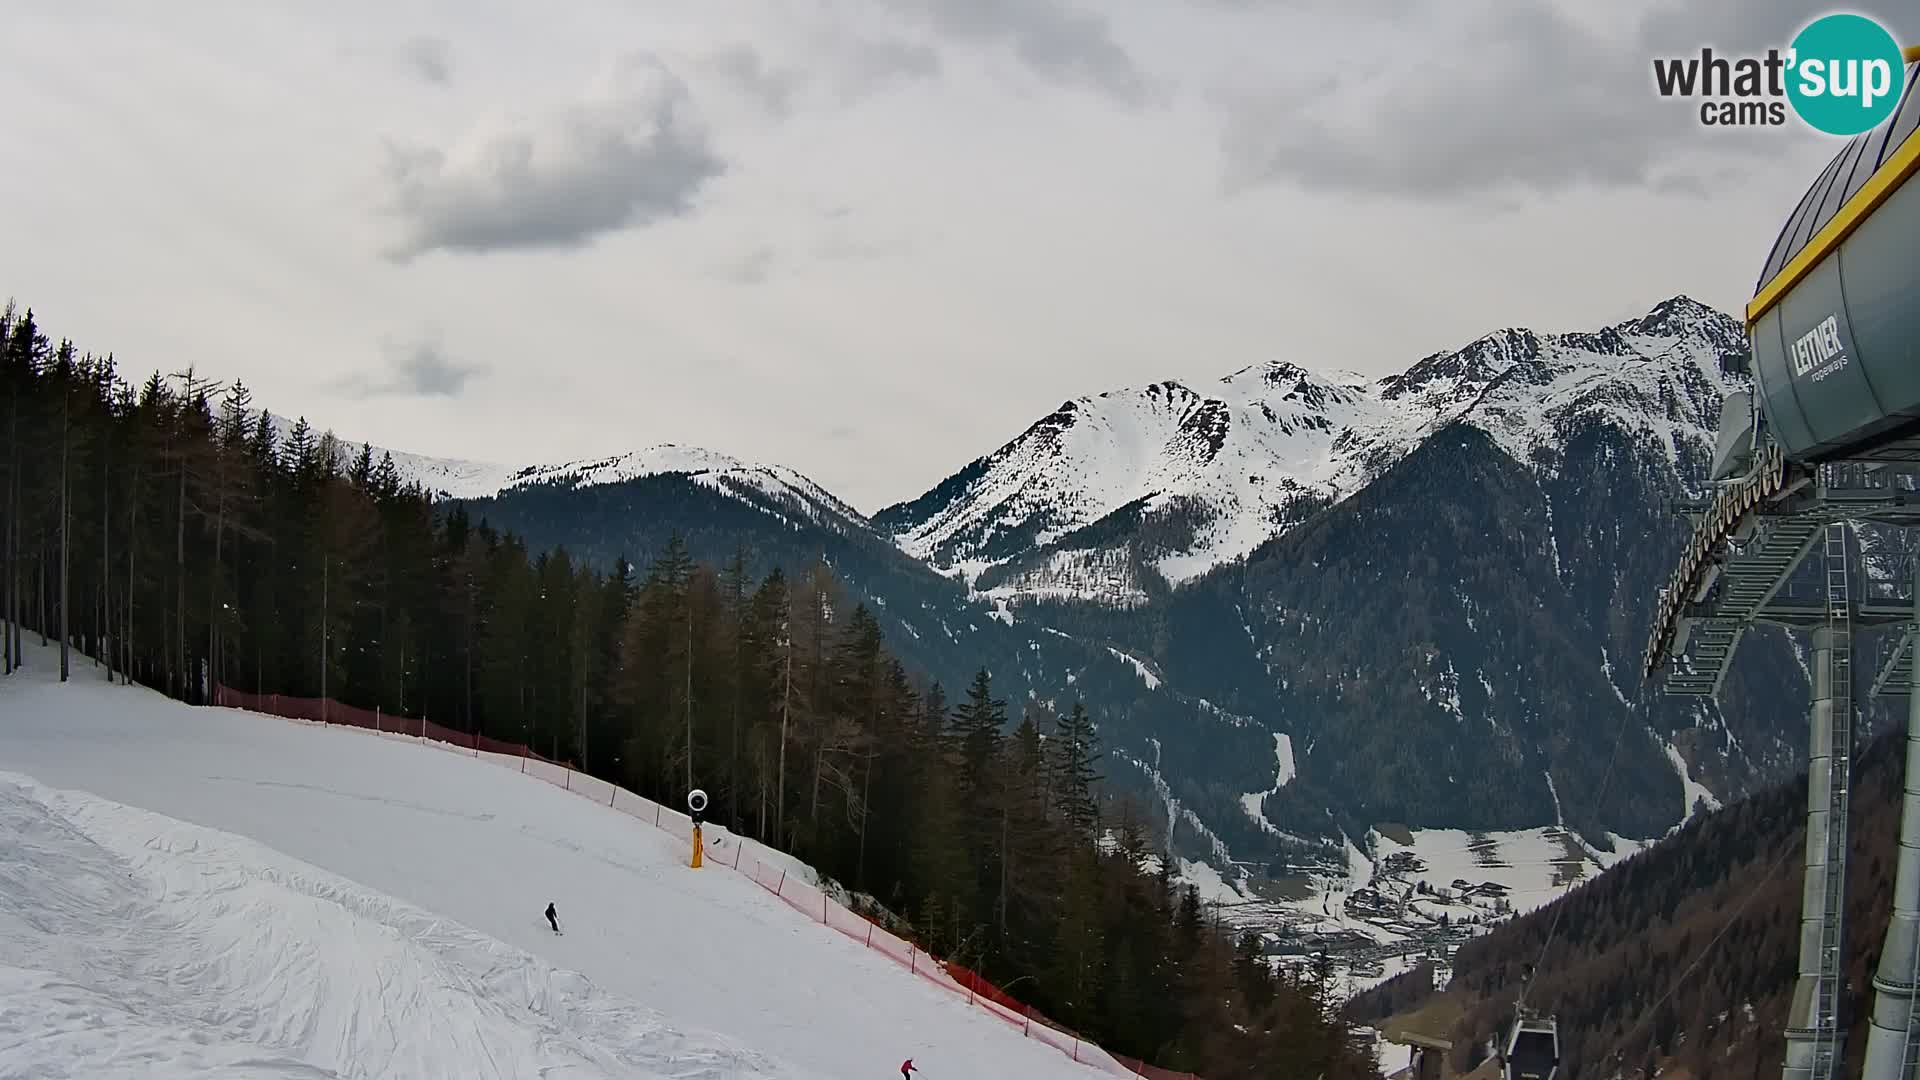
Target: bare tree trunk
469,690
1006,814
324,567
866,790
106,560
133,532
180,583
66,623
689,686
8,611
786,696
213,579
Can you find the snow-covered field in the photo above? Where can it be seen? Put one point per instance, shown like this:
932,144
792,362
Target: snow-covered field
200,892
1533,863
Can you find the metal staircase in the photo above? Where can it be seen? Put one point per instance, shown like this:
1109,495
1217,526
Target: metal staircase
1750,578
1896,666
1826,1018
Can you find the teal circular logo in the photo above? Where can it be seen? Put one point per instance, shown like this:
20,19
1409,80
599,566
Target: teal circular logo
1845,75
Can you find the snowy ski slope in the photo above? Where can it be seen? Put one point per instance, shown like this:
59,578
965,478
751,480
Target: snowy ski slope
201,892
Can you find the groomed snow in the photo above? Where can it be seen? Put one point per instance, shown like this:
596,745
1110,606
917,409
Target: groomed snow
377,903
131,941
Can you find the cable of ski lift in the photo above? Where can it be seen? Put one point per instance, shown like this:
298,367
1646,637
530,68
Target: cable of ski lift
1779,860
1553,927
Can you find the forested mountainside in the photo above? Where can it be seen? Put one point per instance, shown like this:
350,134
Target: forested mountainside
1441,606
1163,744
1684,955
171,531
1445,625
1444,612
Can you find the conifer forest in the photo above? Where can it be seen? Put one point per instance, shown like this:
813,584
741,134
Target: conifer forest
166,530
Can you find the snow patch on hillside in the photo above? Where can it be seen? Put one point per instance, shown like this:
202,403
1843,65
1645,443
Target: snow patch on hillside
1146,675
1284,773
1213,888
1694,792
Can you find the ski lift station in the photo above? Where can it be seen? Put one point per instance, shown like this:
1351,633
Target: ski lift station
1827,440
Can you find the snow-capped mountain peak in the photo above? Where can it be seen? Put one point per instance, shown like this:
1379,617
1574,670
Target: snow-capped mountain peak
773,487
1202,478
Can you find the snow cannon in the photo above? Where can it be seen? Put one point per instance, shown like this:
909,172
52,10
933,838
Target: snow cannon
1834,322
696,806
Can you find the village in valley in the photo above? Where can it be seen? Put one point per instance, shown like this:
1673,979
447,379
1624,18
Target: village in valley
1410,898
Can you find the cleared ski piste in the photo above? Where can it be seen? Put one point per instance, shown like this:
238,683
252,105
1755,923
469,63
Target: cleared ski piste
205,892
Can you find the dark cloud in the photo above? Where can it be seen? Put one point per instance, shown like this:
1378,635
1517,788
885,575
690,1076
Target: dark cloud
746,71
431,58
421,369
1054,38
633,154
1538,103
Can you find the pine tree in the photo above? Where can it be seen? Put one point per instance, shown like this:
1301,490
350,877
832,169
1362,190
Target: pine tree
198,549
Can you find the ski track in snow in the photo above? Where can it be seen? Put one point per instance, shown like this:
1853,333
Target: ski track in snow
373,908
130,940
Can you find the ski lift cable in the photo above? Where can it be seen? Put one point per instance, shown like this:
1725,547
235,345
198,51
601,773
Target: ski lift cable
1599,803
1779,860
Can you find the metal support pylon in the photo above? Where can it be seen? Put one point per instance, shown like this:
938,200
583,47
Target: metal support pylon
1893,1036
1814,1032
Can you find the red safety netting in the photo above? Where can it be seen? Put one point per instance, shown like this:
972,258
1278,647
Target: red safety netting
328,711
771,870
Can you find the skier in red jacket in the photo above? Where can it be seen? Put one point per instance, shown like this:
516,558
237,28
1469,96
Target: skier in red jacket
907,1067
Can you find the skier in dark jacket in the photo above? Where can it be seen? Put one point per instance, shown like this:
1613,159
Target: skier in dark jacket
552,918
907,1067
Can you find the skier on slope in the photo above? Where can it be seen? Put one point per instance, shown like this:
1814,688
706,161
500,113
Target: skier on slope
552,918
907,1067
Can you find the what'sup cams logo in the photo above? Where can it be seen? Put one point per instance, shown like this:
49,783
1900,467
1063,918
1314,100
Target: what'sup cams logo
1842,75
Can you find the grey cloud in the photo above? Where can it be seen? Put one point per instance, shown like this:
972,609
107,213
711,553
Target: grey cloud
1541,105
752,268
1054,38
632,154
1678,27
743,67
431,58
875,63
421,369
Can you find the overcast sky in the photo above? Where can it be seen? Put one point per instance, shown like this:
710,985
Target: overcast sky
870,240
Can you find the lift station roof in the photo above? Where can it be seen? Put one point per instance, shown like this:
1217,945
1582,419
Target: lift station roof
1835,318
